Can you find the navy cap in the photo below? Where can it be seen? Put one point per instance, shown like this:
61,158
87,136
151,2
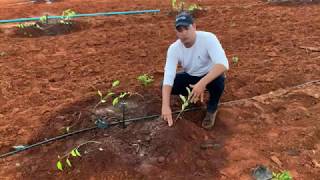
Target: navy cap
184,19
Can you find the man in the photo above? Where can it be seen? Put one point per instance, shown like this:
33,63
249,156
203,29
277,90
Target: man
204,62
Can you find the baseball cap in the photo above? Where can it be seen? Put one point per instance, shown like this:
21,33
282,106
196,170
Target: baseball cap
184,19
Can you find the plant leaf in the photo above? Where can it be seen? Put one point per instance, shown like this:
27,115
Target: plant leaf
73,153
68,162
109,94
60,166
115,101
77,152
115,83
183,98
99,93
103,101
188,89
122,95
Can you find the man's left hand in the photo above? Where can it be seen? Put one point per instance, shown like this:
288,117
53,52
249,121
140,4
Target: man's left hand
197,92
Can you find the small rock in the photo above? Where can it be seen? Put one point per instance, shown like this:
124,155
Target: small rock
18,164
317,96
276,160
161,159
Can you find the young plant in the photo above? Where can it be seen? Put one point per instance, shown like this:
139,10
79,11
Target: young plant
194,7
74,153
103,98
67,15
145,79
180,6
284,175
44,19
185,102
177,6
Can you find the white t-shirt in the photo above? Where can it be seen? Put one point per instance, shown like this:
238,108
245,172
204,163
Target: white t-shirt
197,60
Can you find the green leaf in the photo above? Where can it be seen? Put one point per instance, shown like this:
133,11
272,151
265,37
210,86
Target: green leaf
183,107
68,162
115,83
103,101
188,89
77,152
59,166
99,93
115,101
109,94
73,153
183,98
122,95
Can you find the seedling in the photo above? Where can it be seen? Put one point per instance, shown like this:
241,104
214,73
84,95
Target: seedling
74,153
194,7
103,98
185,102
67,15
284,175
180,6
145,79
44,19
235,60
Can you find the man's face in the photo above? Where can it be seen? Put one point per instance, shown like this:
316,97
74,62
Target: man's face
186,34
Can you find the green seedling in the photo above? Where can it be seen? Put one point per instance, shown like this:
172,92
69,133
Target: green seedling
67,15
180,6
235,60
44,19
103,98
145,79
74,153
177,6
194,7
185,102
284,175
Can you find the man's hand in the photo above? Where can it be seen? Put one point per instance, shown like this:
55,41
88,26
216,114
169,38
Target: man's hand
166,115
197,92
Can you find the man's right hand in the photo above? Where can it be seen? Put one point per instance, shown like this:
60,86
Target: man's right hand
166,115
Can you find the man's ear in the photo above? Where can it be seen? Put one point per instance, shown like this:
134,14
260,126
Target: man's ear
194,26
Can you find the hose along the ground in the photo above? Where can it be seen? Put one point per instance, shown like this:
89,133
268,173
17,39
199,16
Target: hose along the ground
151,117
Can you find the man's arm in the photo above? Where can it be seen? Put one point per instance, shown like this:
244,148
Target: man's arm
166,110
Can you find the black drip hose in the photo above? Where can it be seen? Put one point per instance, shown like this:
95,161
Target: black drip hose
88,129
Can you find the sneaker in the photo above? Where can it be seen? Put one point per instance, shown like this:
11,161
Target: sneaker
209,120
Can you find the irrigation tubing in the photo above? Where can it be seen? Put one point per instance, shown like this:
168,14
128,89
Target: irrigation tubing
119,122
88,129
80,15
